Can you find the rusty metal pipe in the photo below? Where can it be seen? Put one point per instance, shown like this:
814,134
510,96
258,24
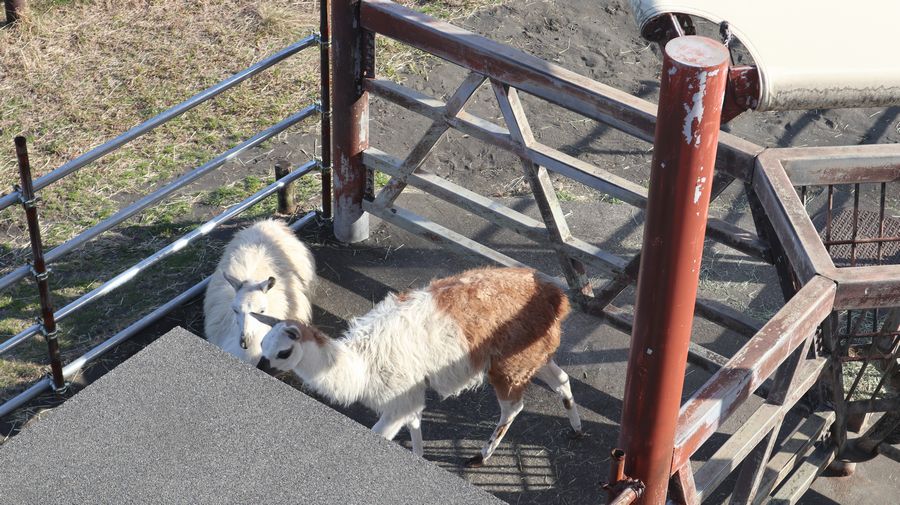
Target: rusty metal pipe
628,496
616,471
39,266
350,136
687,129
325,103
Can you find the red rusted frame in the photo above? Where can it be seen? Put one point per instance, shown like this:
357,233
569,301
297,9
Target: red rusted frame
808,166
773,175
350,135
789,218
869,287
691,93
716,400
39,266
742,93
530,74
683,488
554,160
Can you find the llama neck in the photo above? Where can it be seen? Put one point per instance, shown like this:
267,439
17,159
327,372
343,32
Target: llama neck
333,369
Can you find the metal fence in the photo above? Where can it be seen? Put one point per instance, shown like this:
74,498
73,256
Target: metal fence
25,194
797,354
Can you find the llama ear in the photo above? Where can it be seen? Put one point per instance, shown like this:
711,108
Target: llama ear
293,332
266,285
264,319
236,284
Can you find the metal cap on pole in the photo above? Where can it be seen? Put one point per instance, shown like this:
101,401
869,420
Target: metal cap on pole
692,89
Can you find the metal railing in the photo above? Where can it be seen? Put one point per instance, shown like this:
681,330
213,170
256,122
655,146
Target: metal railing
782,360
25,195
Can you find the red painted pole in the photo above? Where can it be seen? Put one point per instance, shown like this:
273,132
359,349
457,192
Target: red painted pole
350,128
687,132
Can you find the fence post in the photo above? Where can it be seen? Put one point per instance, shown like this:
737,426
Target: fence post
286,194
325,103
687,130
15,9
350,108
39,267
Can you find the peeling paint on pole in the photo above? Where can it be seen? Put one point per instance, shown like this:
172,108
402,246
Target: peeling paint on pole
350,133
691,96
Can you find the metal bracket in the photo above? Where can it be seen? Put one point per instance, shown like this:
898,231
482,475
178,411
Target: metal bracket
323,44
324,111
58,390
39,276
28,204
45,333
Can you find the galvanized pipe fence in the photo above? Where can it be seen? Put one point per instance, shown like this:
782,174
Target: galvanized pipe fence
25,195
834,313
795,356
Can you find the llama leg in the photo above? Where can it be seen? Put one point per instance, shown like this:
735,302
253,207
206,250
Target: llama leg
509,409
389,424
558,381
414,425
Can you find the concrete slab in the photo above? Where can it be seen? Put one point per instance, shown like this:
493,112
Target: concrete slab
182,422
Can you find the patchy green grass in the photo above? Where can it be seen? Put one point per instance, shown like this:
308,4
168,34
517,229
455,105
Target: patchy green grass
381,180
565,196
76,73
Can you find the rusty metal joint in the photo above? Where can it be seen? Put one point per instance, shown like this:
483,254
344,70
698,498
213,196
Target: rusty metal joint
49,334
29,203
323,110
625,491
323,43
58,389
39,276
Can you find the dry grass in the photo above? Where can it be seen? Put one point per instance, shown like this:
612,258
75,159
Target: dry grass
76,73
79,73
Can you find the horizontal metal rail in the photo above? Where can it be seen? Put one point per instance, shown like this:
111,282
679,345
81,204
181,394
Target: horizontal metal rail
433,232
73,368
554,160
111,145
789,218
716,400
729,456
535,230
155,197
170,249
528,73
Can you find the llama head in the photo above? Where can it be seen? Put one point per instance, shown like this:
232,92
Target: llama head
249,296
281,347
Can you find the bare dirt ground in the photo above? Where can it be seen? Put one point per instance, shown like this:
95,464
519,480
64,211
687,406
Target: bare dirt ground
538,463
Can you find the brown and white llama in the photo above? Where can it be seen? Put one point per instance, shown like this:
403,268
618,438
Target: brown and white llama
500,322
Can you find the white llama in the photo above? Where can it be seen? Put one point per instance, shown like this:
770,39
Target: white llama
264,269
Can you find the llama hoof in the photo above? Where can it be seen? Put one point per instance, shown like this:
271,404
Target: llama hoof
574,435
475,462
